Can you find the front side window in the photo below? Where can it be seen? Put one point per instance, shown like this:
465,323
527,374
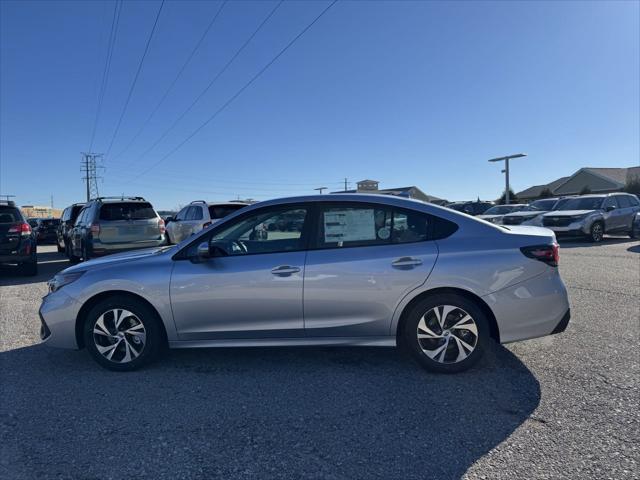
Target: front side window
194,213
624,201
182,214
270,231
610,202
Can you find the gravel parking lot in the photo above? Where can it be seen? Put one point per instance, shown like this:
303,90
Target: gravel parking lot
559,407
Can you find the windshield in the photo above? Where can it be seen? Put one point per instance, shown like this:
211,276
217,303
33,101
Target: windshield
542,205
581,203
500,210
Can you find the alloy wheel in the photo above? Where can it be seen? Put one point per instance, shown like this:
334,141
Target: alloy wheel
596,232
447,334
119,335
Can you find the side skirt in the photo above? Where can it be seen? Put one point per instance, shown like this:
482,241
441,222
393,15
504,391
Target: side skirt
288,342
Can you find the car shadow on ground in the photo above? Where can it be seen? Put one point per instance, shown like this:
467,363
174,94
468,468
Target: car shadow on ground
571,242
256,413
49,263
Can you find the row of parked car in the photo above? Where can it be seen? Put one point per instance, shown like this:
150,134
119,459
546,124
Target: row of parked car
589,216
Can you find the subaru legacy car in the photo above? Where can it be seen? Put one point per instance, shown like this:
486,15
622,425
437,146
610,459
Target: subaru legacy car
495,214
592,216
360,270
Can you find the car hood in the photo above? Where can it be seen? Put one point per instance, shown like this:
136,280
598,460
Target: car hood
568,213
116,258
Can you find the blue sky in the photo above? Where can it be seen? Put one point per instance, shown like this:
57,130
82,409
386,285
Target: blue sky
408,93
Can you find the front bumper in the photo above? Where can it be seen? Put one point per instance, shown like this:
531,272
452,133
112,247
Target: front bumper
58,314
573,229
534,308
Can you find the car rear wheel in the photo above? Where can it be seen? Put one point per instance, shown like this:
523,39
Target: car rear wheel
446,333
596,234
72,258
122,333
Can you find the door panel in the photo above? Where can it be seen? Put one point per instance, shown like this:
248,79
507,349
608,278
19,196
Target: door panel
239,297
354,291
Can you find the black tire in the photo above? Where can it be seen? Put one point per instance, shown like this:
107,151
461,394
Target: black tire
152,346
446,362
30,269
634,233
166,234
596,232
60,249
85,253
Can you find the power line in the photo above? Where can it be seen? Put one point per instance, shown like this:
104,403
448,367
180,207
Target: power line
135,79
215,78
175,80
238,93
117,7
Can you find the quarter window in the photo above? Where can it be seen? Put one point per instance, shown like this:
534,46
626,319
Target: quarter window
409,227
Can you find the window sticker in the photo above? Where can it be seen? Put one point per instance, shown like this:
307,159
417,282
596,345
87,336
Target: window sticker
384,233
349,225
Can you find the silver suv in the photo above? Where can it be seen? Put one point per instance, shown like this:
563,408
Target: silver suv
197,216
594,215
114,224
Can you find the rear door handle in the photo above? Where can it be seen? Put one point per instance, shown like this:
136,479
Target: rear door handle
284,270
406,262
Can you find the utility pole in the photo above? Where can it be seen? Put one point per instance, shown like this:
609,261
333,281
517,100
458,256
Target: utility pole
345,184
506,171
89,166
51,202
320,189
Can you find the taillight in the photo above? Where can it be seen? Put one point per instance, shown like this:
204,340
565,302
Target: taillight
205,225
161,226
24,229
549,254
95,228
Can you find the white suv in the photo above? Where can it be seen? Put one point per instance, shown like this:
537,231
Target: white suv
197,216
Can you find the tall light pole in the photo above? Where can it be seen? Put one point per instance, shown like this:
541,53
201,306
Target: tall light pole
320,189
506,171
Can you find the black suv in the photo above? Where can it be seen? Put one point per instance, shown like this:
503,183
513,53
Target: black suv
115,224
67,220
46,229
17,241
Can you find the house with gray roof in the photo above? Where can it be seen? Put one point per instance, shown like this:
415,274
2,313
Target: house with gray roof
596,180
372,186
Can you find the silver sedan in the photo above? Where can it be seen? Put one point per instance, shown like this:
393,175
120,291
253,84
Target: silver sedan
361,270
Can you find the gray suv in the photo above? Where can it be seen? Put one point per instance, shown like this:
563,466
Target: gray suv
594,215
196,216
115,224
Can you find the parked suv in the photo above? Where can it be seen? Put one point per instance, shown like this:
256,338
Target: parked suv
67,220
46,229
196,216
115,224
495,214
530,212
594,215
17,241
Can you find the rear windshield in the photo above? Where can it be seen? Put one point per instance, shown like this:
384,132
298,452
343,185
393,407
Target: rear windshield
221,211
9,215
127,211
584,203
51,221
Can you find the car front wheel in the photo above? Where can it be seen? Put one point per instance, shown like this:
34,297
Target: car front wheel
596,233
122,333
446,333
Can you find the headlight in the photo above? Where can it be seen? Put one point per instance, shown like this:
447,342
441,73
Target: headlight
62,279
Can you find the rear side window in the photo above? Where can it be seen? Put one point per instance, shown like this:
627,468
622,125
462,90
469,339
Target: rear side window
127,211
624,201
409,226
221,211
9,215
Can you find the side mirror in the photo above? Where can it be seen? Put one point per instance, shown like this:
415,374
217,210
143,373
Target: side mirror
609,208
203,251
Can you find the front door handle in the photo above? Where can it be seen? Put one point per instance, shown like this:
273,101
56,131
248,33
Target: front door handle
406,262
284,270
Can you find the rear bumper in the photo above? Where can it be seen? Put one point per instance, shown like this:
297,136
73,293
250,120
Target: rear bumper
534,308
16,258
100,249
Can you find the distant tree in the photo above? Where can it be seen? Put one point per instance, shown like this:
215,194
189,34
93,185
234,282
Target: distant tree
585,190
633,185
512,198
546,193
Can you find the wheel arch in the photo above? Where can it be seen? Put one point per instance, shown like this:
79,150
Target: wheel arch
494,331
91,302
